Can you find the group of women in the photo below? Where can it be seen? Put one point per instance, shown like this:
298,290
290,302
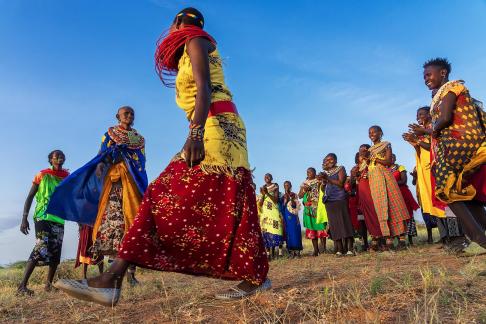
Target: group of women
339,206
200,215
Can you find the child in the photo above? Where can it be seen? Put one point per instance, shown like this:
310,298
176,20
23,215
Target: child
49,229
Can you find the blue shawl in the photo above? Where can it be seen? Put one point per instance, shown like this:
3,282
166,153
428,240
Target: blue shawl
77,196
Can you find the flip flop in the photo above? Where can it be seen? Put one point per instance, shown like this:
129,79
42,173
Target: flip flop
237,293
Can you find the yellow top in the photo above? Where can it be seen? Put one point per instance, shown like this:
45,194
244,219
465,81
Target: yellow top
225,134
186,89
377,151
321,210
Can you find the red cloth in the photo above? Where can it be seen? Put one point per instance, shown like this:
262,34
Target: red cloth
478,180
200,224
57,173
84,255
352,205
220,107
367,206
313,234
353,211
407,195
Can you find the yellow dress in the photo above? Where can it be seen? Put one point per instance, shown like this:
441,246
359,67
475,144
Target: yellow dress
424,183
225,134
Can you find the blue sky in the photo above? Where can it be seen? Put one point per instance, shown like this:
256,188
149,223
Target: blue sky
308,77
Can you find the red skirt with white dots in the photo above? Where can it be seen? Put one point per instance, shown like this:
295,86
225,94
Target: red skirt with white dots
198,223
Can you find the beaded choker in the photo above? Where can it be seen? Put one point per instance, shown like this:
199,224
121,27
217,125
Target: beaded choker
333,171
131,138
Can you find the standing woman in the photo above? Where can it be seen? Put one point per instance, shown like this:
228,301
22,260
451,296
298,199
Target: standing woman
309,193
459,149
400,174
354,205
291,207
335,199
49,229
419,138
106,192
389,204
270,217
200,215
366,204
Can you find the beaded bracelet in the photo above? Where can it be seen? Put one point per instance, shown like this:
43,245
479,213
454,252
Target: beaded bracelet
196,132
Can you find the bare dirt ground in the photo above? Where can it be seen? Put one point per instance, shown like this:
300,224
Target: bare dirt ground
424,284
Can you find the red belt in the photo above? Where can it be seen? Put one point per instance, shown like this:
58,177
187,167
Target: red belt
220,107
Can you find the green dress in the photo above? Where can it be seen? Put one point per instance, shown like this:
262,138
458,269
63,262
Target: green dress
310,201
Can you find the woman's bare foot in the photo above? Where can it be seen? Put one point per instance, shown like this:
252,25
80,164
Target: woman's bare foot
24,291
49,287
106,280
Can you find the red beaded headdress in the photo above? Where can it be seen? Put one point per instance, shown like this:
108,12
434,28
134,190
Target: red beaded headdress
166,60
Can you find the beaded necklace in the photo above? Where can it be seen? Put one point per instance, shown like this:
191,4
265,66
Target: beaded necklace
131,138
333,171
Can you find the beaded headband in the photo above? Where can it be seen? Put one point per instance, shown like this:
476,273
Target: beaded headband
193,16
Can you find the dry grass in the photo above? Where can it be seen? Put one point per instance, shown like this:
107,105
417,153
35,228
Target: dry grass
421,285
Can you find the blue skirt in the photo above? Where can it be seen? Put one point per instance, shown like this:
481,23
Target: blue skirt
429,220
272,240
293,231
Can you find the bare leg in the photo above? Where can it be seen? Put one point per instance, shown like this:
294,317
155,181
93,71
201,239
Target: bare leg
315,244
85,271
323,244
429,235
131,276
29,268
50,276
471,227
363,232
479,213
339,246
350,244
111,278
410,239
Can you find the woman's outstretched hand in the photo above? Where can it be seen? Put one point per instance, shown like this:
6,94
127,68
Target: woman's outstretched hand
193,152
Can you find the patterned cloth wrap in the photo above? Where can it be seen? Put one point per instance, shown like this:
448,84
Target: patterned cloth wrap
271,220
460,149
387,198
49,228
315,216
78,197
202,220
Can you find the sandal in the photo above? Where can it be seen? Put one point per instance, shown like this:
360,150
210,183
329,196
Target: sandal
237,293
80,289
